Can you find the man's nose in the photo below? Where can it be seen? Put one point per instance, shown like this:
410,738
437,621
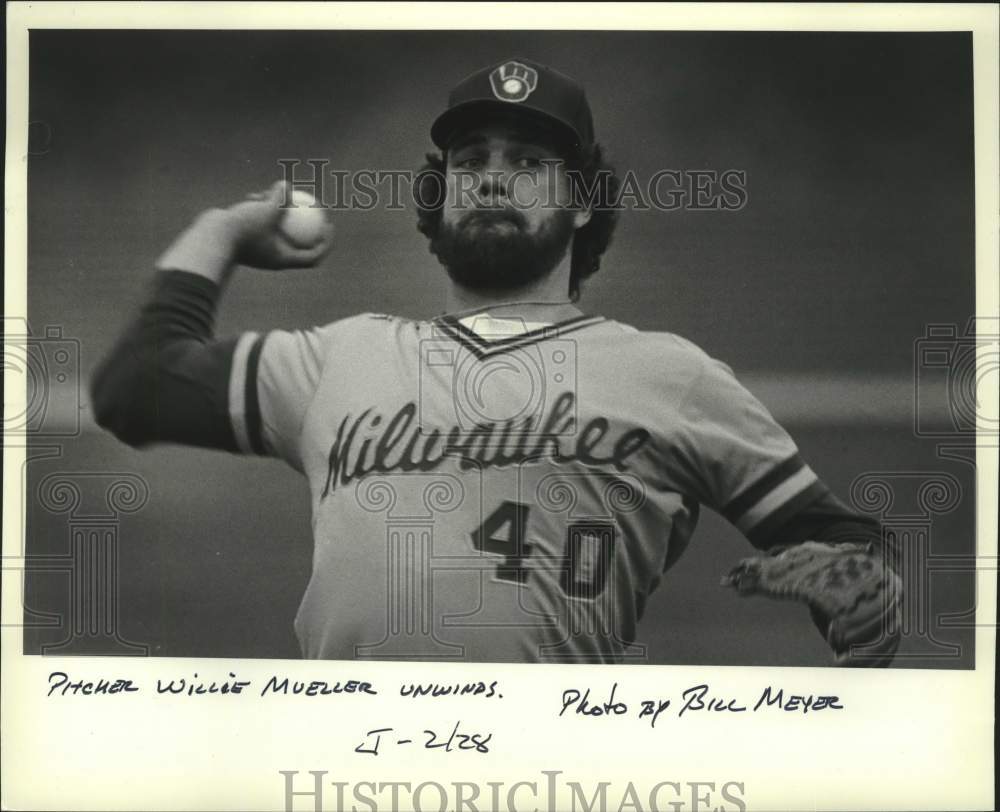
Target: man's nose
493,179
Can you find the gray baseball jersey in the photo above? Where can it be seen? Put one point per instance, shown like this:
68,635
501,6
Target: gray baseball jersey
503,498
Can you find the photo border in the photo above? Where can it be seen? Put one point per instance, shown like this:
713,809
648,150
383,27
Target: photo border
908,739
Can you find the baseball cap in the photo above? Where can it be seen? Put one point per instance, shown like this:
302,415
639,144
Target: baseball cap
522,87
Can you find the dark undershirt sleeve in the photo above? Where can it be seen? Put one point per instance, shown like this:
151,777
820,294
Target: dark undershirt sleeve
824,519
167,379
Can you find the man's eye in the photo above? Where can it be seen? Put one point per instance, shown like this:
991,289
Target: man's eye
528,162
470,163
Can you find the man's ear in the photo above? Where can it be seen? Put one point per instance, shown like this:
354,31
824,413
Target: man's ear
581,217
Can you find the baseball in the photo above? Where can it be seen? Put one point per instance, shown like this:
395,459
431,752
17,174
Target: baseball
303,225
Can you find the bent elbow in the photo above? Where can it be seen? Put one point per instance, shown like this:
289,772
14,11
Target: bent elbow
115,391
103,402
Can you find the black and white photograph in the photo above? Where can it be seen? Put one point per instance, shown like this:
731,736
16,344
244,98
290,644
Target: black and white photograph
484,333
439,347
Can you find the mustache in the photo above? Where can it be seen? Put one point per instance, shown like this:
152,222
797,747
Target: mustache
494,215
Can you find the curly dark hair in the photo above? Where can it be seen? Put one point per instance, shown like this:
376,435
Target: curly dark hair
594,184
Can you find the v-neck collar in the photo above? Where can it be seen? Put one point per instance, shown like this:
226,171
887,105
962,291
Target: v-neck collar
483,347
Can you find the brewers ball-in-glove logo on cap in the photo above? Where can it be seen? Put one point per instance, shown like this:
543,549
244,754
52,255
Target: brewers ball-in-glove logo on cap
513,82
519,87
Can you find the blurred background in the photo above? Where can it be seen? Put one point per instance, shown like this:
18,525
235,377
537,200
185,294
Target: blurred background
857,237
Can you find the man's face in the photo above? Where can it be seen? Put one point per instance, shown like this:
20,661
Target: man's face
507,219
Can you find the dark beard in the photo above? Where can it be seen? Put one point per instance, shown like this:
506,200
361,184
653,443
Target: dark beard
491,250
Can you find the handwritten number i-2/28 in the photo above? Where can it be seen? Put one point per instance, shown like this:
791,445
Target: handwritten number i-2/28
587,556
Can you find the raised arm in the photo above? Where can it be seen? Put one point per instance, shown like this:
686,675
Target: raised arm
168,378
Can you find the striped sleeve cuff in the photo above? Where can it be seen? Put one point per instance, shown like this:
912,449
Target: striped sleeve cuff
244,404
774,498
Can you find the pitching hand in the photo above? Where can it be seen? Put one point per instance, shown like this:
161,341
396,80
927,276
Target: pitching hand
246,233
258,239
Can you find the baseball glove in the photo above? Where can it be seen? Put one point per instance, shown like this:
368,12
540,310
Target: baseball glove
854,597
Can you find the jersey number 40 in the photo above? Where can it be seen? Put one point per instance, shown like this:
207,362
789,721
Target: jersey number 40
585,563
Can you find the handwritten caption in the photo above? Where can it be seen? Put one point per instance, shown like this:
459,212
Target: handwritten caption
697,698
584,702
61,684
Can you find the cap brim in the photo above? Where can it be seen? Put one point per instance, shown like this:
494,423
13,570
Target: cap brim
467,115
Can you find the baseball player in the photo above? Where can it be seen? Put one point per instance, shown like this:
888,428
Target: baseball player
510,481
